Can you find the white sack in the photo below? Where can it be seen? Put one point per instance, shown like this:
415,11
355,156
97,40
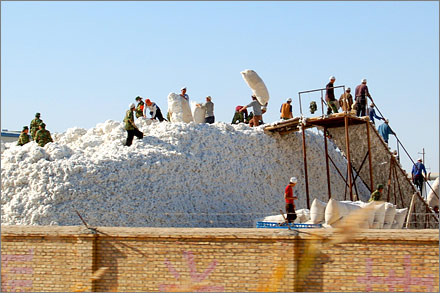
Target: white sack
432,198
399,218
179,109
198,113
390,212
353,206
302,216
332,212
257,85
379,216
275,219
317,211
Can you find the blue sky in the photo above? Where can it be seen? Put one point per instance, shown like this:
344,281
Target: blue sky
81,63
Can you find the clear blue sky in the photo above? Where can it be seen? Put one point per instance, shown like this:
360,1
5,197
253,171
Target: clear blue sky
81,63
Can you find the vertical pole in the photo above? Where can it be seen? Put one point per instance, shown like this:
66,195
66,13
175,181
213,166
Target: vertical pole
369,156
347,144
411,207
389,179
305,164
322,105
300,107
326,164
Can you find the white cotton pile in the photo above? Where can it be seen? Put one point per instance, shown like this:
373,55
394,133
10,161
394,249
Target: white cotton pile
178,175
433,195
179,108
257,85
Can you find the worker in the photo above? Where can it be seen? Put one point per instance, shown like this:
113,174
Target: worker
286,110
346,100
361,94
209,110
385,130
258,114
183,93
140,107
42,137
290,200
24,136
372,114
155,111
377,194
35,123
330,96
417,174
241,117
131,128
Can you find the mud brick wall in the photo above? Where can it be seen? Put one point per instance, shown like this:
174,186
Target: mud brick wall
63,259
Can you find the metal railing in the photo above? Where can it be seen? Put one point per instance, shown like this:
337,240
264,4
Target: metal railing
322,97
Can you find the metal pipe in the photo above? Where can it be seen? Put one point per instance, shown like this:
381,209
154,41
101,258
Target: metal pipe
367,123
389,179
317,90
305,164
326,164
347,143
300,107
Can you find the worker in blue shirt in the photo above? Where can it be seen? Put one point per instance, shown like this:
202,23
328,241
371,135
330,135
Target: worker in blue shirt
417,175
385,130
372,114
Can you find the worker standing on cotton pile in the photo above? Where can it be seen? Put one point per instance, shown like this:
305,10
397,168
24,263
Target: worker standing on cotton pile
377,194
290,198
372,114
42,137
239,116
183,93
24,136
385,130
258,114
209,108
417,174
330,96
35,123
131,128
286,110
361,93
155,111
346,100
140,107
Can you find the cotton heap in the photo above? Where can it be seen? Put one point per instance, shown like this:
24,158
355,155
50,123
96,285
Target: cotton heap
178,175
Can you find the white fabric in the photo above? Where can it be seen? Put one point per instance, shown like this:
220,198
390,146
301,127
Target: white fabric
257,85
179,109
432,198
390,212
379,216
275,219
317,211
302,216
332,212
198,113
399,218
151,108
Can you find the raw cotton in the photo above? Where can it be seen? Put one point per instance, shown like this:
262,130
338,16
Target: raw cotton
433,198
179,108
257,85
178,175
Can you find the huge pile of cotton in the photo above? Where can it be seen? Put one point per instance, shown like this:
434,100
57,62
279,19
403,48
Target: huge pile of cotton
179,174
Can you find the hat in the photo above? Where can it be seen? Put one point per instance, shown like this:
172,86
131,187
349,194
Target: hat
387,120
348,89
147,101
131,105
372,105
138,98
25,127
37,114
184,88
379,186
208,97
43,125
420,159
364,80
289,99
332,78
293,180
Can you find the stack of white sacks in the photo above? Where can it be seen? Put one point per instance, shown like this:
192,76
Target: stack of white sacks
385,215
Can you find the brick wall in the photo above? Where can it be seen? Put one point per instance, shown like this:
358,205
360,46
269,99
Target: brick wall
169,259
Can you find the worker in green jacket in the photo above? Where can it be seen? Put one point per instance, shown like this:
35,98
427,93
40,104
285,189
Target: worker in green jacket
35,123
130,127
377,194
24,136
140,107
42,137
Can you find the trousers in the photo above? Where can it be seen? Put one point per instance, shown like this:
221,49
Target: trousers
131,134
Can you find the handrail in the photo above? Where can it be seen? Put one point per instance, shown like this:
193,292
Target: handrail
322,100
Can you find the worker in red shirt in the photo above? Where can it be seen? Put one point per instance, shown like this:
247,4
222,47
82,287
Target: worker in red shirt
289,197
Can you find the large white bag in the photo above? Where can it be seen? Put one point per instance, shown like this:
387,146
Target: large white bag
335,210
390,212
179,109
257,85
198,113
275,219
379,216
317,211
399,218
433,200
302,216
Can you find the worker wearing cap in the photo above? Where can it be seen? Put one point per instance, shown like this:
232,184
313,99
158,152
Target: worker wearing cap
286,110
209,110
290,200
140,107
377,194
42,137
361,94
34,125
131,128
330,96
385,130
346,100
24,136
417,174
372,114
258,114
183,93
155,111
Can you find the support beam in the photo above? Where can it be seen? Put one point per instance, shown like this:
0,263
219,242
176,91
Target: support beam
347,144
305,165
367,123
326,164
